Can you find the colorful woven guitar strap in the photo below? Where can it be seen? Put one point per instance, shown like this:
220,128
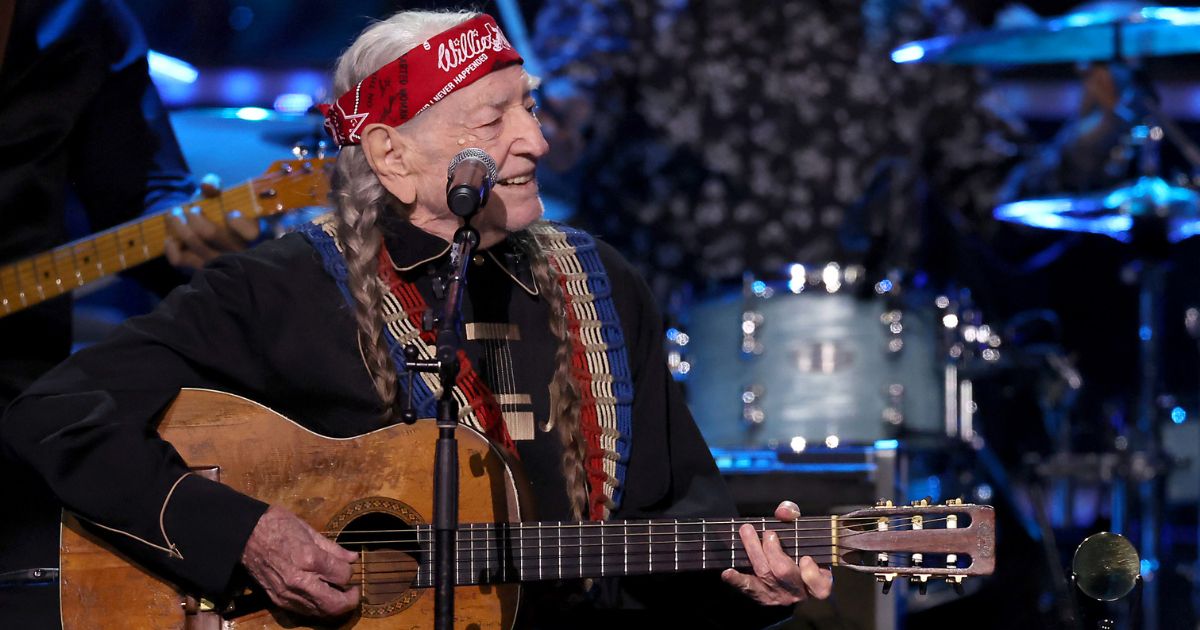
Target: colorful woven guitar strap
599,360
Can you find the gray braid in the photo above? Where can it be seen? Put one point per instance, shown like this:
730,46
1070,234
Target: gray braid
359,199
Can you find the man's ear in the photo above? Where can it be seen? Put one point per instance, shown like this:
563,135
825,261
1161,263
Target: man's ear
388,154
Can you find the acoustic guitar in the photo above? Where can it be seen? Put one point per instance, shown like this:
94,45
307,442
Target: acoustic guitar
287,185
372,494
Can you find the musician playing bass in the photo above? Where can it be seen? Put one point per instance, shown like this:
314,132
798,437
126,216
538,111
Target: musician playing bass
563,365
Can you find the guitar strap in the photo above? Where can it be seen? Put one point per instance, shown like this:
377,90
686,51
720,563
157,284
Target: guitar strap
599,360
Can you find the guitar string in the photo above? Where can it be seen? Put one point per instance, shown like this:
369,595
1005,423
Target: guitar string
594,565
422,546
412,581
825,520
463,578
789,544
589,560
596,530
825,542
593,561
609,524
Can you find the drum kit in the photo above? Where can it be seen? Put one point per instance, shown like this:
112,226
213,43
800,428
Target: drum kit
828,356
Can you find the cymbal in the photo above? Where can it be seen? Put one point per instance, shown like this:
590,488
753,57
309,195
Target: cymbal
1113,213
1101,34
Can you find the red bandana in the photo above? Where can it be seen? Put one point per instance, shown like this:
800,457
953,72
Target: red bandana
399,91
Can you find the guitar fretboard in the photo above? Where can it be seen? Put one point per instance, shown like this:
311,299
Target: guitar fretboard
35,279
522,552
68,267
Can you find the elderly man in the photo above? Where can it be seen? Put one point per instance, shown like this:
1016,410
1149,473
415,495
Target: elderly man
314,325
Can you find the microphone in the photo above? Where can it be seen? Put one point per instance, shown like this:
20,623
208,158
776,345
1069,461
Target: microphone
469,181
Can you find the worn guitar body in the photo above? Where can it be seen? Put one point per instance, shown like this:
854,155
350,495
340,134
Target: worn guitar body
328,483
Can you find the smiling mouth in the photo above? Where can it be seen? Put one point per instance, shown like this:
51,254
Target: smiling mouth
515,181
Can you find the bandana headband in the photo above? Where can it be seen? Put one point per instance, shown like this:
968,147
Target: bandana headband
397,92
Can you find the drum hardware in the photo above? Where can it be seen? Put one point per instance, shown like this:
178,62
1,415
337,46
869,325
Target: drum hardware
1084,36
970,345
752,409
824,355
676,345
1149,214
832,357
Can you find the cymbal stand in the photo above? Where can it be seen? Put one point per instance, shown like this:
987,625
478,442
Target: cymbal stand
1150,239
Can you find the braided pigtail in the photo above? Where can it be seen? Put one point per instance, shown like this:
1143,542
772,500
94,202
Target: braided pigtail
359,199
565,397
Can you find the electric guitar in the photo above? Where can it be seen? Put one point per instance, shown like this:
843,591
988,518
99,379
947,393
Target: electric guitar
372,494
287,185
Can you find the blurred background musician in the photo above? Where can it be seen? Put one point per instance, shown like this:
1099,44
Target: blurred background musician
85,145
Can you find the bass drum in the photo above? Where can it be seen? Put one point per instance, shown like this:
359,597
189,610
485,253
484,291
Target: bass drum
814,363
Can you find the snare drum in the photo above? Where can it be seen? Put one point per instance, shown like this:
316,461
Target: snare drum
822,360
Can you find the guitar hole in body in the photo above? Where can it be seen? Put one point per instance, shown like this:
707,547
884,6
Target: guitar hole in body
382,531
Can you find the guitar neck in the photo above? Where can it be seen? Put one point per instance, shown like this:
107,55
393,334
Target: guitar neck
520,552
39,278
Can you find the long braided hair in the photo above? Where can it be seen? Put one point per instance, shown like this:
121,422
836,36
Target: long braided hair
359,200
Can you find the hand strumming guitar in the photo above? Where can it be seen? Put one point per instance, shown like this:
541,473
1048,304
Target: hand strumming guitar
778,579
300,570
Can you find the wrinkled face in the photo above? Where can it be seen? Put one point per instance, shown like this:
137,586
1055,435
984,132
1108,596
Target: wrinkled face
494,114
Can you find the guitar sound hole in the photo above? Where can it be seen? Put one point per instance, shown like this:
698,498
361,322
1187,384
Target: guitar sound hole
389,557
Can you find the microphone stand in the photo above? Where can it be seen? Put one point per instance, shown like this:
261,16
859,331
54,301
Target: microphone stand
445,474
468,183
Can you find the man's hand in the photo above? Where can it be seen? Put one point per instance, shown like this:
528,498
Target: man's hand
301,570
194,240
778,579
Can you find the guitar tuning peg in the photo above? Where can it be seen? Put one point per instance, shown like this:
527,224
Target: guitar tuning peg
954,501
956,582
886,579
922,586
926,502
883,503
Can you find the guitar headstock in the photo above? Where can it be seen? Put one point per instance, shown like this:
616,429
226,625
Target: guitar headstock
292,184
921,542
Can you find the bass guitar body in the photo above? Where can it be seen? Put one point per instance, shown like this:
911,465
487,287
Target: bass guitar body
381,481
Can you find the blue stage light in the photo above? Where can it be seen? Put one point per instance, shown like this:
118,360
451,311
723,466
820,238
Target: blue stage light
908,53
167,67
293,103
252,113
